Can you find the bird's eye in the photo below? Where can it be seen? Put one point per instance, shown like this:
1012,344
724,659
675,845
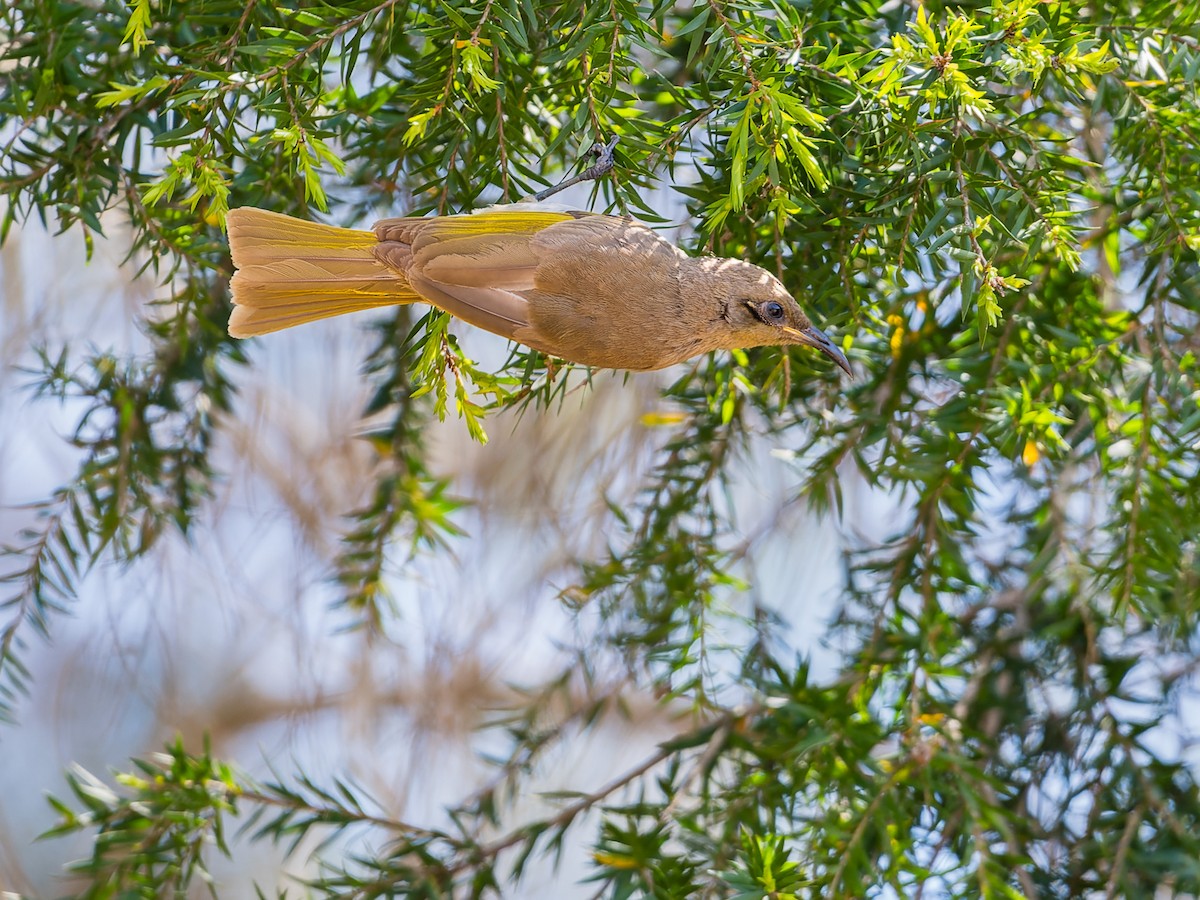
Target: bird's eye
773,310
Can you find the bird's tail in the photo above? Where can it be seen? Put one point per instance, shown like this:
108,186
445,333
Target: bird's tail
291,271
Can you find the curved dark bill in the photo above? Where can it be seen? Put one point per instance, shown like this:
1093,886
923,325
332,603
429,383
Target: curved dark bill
812,336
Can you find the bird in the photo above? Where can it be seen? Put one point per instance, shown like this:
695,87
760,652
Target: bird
600,290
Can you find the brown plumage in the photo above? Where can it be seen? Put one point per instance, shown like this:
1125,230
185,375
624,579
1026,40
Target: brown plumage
593,289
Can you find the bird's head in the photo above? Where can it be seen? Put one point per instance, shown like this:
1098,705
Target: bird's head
757,311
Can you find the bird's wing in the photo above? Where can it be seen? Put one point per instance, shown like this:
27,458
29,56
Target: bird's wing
478,278
474,267
483,267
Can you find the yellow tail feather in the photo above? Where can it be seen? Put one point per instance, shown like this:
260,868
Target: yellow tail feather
291,271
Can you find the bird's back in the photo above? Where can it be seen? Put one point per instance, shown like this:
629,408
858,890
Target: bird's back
607,293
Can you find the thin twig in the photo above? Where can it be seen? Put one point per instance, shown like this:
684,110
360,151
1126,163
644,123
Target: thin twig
1118,863
715,6
358,817
603,165
566,815
500,142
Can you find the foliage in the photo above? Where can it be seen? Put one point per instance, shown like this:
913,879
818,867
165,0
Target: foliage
997,206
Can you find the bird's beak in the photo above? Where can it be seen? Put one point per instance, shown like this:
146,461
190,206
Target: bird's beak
812,336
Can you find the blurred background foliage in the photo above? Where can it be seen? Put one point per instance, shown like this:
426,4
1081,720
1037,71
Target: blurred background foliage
996,208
